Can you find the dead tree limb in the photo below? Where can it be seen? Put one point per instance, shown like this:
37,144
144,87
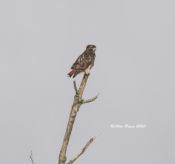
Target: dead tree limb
75,87
31,157
78,101
82,150
90,100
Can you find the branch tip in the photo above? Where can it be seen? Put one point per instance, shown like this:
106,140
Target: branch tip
75,86
82,150
90,100
97,135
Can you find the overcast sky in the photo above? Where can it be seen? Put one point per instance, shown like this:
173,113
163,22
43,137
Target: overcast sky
133,72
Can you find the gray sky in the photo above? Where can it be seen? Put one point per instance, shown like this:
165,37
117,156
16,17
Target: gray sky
134,73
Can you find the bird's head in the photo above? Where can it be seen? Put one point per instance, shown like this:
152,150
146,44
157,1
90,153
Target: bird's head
91,48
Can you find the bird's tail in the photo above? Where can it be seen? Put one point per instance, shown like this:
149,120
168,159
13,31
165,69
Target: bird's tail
73,72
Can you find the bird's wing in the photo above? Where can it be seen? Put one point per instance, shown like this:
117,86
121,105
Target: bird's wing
81,63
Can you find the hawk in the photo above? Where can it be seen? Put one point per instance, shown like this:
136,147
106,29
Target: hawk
84,62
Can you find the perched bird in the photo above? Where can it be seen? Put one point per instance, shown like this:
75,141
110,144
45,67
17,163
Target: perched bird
84,62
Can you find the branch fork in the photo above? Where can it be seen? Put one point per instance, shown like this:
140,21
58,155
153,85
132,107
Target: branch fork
80,100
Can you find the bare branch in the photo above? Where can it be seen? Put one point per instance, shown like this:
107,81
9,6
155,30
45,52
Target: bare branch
75,87
90,100
31,157
73,113
82,150
83,84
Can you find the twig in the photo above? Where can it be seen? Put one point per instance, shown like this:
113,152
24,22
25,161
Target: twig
90,100
31,157
82,150
75,87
